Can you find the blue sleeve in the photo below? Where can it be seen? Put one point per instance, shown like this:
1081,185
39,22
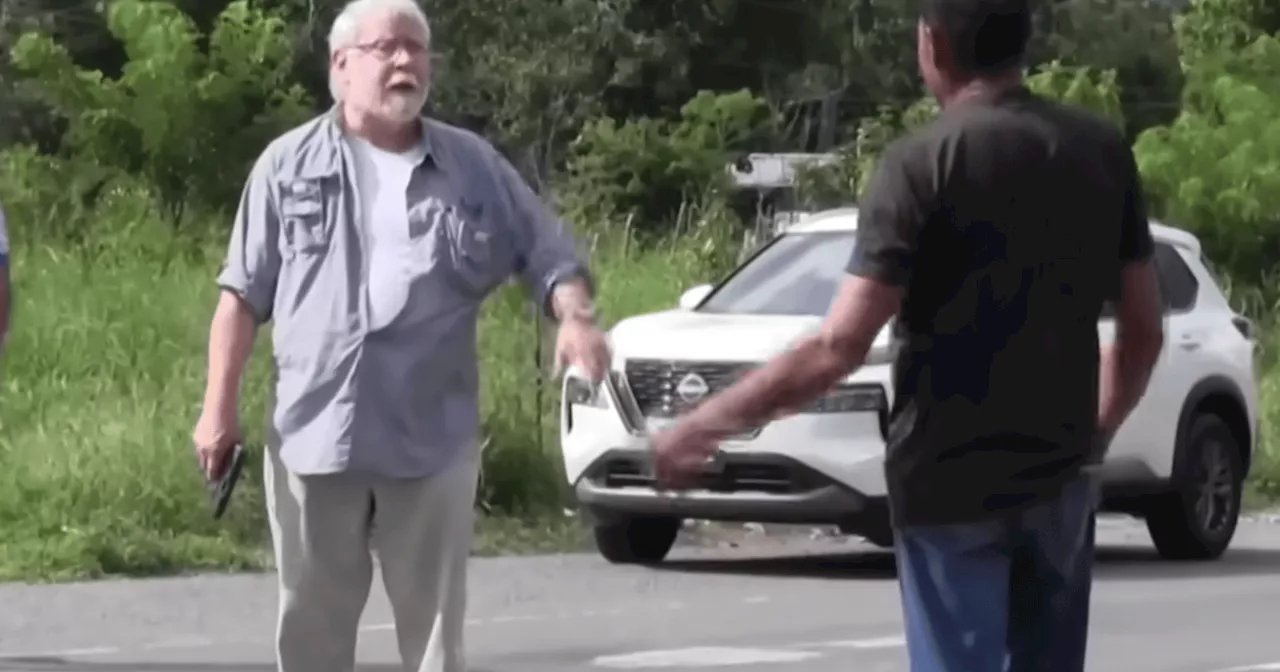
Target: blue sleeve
252,264
547,251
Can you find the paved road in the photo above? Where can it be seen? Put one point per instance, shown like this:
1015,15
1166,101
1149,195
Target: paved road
801,607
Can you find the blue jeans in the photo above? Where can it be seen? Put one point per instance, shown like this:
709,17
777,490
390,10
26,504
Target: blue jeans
1001,595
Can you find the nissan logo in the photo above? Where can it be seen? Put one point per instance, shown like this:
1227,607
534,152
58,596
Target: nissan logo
692,388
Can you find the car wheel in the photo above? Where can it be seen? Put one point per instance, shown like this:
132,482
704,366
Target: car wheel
637,540
1198,519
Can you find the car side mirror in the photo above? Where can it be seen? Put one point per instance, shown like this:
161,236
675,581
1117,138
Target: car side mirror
693,296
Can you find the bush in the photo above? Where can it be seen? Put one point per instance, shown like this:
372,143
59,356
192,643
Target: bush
181,116
1265,476
648,169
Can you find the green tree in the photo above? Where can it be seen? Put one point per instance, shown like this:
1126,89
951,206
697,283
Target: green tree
1132,38
1216,168
1093,90
649,168
531,72
831,185
186,118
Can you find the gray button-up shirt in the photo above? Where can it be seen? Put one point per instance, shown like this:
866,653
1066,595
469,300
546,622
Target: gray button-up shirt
400,401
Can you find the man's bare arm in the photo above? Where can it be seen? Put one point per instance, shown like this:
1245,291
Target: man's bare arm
813,366
231,336
1125,367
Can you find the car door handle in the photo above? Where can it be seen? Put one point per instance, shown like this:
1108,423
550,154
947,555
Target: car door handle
1189,342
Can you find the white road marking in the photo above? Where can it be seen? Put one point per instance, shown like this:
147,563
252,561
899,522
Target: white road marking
91,651
62,653
200,642
522,618
192,642
1264,667
877,643
716,656
701,656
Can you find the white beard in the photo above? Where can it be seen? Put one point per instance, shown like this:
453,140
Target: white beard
404,107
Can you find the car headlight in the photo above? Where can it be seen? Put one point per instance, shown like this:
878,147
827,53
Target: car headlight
582,392
846,398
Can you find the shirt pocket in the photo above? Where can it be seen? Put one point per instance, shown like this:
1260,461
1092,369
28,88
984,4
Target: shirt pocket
305,228
476,254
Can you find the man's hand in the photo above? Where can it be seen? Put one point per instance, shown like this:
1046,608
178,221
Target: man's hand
581,343
680,452
214,437
231,337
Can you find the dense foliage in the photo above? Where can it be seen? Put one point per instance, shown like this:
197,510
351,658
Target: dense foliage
127,128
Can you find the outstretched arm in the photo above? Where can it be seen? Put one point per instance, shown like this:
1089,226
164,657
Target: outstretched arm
891,216
556,276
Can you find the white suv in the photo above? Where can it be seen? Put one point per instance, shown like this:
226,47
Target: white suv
1179,461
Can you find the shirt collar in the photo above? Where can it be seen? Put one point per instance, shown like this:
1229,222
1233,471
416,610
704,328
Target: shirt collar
426,150
995,95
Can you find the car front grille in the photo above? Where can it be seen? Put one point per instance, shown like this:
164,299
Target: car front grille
736,476
656,384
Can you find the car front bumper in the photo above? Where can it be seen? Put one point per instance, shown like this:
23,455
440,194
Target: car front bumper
738,486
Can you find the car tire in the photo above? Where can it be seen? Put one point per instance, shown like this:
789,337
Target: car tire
637,540
1197,520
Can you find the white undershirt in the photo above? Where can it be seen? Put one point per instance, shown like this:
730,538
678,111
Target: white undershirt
383,180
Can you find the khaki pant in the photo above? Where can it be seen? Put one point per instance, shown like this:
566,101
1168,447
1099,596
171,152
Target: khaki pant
324,529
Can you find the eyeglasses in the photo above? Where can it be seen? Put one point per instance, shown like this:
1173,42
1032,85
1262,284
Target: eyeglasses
387,49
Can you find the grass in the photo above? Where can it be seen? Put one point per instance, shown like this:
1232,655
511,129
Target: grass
105,368
104,372
1263,488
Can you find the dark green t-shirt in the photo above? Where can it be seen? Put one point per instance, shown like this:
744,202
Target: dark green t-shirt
1007,221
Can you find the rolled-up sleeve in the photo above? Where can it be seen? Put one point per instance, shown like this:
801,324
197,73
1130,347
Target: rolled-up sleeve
252,263
890,216
546,251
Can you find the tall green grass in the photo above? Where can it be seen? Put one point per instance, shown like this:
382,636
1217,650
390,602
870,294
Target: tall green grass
102,378
104,372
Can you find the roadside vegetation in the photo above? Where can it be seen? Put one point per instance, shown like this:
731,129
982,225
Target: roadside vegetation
127,132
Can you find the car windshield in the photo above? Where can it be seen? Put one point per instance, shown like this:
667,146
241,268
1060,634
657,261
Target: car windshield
797,274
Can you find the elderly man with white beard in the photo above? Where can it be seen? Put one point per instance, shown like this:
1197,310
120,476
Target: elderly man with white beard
368,237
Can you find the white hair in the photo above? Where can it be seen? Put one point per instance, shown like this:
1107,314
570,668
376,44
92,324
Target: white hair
347,25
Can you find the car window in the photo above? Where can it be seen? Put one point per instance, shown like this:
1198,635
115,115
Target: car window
1178,285
797,274
1212,269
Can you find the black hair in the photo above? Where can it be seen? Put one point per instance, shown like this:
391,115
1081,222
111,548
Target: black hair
987,37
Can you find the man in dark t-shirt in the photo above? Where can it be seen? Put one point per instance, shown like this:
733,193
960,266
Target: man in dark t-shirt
995,234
